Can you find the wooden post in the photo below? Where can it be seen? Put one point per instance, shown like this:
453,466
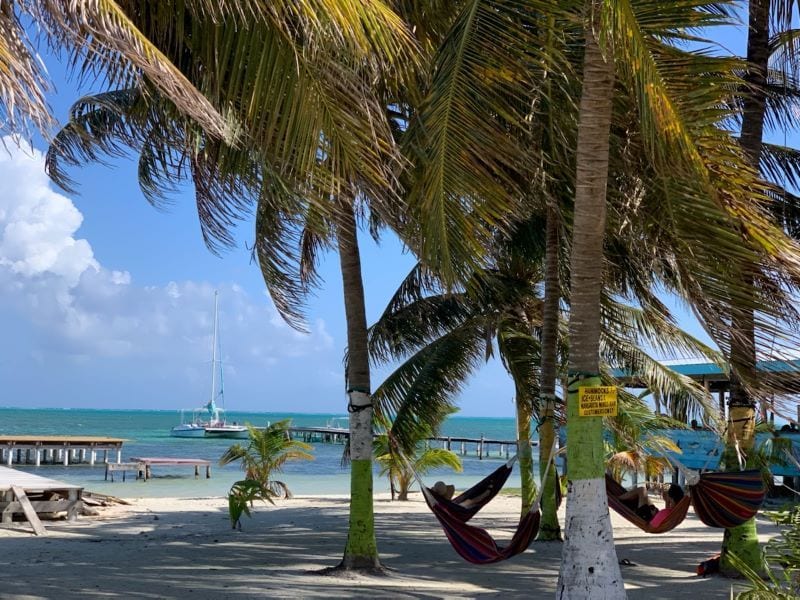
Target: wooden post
463,448
449,443
65,452
196,471
105,455
7,516
75,504
38,457
27,508
119,455
208,471
92,457
9,456
480,448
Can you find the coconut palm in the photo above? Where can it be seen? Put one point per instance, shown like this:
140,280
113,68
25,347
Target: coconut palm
678,101
265,454
444,336
770,98
299,78
104,43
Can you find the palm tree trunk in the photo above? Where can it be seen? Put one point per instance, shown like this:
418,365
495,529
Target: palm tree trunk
361,551
589,567
524,453
549,528
743,540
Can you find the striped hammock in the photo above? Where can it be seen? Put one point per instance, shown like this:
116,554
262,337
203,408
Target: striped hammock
728,499
466,505
474,544
724,500
614,490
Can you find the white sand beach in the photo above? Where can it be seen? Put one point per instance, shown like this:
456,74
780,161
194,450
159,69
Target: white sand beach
165,548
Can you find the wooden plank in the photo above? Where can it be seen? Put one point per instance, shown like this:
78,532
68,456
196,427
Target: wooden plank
28,481
40,506
30,514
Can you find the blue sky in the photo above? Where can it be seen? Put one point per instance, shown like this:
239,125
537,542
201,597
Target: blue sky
107,302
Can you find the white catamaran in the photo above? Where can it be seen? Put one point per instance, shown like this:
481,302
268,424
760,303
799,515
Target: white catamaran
209,420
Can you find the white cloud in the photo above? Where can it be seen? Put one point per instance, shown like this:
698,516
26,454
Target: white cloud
81,309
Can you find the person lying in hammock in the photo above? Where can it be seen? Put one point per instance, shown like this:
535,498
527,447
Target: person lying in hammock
447,491
638,501
444,490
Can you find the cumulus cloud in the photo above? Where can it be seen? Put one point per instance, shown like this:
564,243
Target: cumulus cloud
79,308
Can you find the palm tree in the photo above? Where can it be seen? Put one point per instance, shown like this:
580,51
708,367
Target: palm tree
104,43
403,469
769,94
445,336
300,80
265,454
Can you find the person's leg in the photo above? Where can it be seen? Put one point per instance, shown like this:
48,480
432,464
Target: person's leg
639,494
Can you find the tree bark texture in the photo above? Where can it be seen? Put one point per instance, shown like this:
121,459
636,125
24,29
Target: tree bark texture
589,566
361,550
524,453
743,540
549,528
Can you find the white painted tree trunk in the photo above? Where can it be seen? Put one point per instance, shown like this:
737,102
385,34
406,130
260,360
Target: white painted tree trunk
360,428
589,566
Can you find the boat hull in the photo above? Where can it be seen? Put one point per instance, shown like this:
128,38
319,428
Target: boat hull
188,431
231,432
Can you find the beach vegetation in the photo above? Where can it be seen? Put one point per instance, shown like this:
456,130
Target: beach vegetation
779,578
261,459
403,469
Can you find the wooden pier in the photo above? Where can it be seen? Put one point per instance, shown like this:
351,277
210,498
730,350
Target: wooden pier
144,465
32,495
58,449
482,447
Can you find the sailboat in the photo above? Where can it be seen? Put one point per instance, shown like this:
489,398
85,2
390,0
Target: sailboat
209,420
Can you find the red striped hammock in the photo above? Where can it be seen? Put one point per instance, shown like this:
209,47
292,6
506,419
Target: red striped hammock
724,500
476,497
476,545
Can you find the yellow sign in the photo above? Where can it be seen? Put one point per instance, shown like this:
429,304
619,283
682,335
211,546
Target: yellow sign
597,401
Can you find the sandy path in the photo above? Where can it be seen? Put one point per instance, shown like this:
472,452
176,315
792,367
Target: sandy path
164,548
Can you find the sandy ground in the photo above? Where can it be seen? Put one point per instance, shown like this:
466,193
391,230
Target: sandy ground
164,548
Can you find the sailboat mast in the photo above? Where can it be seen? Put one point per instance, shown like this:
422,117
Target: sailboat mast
214,351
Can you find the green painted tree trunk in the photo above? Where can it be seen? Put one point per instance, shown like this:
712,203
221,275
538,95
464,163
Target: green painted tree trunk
361,550
743,540
524,453
589,566
549,527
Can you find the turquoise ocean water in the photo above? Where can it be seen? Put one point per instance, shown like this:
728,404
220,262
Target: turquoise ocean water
147,434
